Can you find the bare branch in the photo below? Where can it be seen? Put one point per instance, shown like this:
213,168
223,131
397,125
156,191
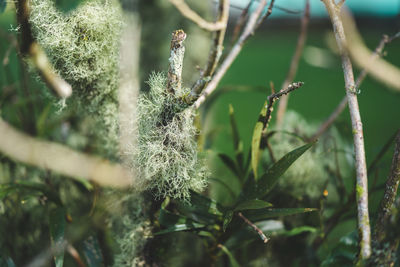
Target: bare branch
357,129
263,237
38,57
389,195
215,52
58,158
187,12
234,52
294,64
176,61
342,105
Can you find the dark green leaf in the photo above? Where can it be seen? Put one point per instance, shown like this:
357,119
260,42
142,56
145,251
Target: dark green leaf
249,190
227,219
267,213
252,205
57,230
300,230
256,140
175,223
67,5
229,163
3,4
92,252
233,262
268,180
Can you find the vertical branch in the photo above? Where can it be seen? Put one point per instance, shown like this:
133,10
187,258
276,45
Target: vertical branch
389,196
357,129
176,61
294,64
216,49
233,53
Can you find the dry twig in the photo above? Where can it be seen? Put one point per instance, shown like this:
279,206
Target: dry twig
263,237
187,12
233,53
31,48
357,129
58,158
293,64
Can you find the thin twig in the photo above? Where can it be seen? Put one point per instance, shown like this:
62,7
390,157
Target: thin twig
247,32
187,12
61,159
389,195
240,22
177,51
266,15
357,129
294,64
38,57
215,52
263,237
342,105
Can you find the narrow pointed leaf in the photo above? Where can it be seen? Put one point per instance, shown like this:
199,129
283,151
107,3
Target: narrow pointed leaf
267,213
256,140
233,262
176,223
237,143
268,180
300,230
253,205
229,163
227,220
57,230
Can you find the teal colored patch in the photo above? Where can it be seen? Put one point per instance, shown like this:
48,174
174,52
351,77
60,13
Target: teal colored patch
3,5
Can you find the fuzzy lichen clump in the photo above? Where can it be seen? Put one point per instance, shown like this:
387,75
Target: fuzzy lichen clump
83,47
165,155
308,175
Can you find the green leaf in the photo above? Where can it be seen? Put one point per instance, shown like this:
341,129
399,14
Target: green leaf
267,213
6,262
92,252
41,121
268,180
57,230
3,5
300,230
252,205
229,163
256,140
227,220
176,223
233,262
237,143
67,5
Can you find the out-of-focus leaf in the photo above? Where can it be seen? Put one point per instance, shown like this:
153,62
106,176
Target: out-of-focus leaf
229,163
92,252
41,121
27,188
344,253
256,140
6,262
57,230
252,205
267,213
176,223
67,5
237,143
227,220
300,230
268,180
233,262
3,4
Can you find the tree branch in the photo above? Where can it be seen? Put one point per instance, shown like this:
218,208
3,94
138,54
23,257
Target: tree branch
234,52
389,196
357,129
177,51
38,57
58,158
293,64
215,52
187,12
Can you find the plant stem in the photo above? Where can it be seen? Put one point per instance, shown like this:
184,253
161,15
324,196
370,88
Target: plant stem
361,167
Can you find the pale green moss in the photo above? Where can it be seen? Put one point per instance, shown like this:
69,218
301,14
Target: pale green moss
83,46
165,156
